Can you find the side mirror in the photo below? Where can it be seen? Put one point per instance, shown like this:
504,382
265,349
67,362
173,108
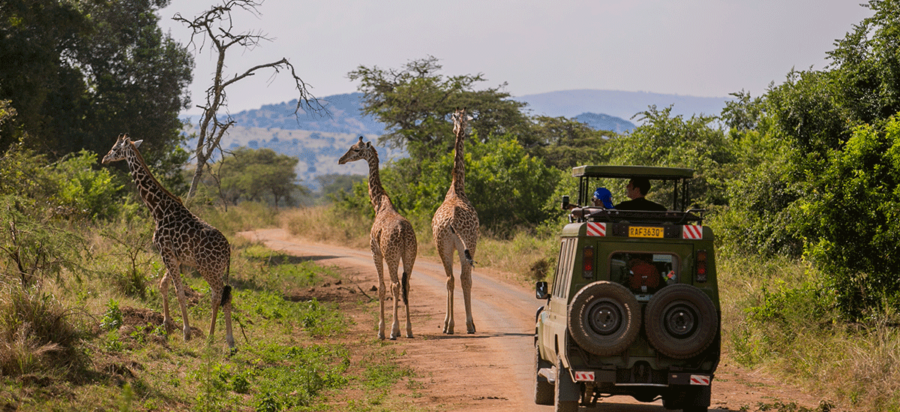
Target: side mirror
565,202
541,291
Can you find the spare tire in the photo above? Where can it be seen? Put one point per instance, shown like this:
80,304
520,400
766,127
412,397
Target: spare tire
604,318
681,321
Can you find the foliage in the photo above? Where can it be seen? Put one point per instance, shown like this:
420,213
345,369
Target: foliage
851,218
506,186
96,69
93,193
255,174
112,318
334,183
566,143
667,141
415,103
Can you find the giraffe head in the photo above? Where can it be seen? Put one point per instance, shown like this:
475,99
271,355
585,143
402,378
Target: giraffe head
358,151
118,150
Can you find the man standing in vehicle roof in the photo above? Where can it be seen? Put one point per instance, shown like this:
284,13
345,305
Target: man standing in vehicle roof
637,188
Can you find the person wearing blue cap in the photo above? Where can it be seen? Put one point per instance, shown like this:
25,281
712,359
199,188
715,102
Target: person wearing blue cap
603,197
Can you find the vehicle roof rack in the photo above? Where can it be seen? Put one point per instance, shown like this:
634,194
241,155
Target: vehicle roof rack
650,172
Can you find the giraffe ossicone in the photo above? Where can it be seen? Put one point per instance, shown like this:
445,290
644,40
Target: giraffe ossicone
181,238
392,239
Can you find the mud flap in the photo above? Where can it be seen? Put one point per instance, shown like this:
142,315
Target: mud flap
568,390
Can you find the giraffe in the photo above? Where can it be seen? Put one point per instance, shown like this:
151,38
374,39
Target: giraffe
455,226
392,239
181,239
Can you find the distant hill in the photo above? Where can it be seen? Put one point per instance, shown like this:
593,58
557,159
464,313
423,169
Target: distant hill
605,122
343,117
319,139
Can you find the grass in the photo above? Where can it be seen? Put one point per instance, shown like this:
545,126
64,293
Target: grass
89,335
775,319
773,316
86,331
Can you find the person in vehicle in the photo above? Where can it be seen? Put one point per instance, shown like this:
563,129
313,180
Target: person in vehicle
637,188
602,198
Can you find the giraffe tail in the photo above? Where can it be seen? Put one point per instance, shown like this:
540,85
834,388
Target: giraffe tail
226,292
464,253
404,288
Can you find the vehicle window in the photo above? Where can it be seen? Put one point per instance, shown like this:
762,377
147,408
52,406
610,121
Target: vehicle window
560,264
564,270
643,272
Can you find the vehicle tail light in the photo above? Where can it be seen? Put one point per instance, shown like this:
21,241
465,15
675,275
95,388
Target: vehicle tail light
588,265
701,266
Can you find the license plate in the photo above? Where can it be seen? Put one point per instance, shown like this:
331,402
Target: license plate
640,231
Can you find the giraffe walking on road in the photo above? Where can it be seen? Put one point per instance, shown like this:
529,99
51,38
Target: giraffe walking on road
392,239
182,239
455,227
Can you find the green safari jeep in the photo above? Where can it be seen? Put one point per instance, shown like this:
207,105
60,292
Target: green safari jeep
634,305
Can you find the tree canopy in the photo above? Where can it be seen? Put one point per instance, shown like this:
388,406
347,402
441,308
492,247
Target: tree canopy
415,103
95,69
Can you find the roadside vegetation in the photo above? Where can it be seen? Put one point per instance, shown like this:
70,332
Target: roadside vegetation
801,185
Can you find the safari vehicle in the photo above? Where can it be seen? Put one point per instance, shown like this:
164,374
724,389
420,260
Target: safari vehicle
634,306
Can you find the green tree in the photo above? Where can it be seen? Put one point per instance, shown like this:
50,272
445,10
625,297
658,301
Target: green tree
415,104
507,186
672,141
334,183
95,69
851,216
565,143
255,174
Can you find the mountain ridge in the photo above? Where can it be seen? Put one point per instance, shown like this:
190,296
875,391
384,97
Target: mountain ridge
318,139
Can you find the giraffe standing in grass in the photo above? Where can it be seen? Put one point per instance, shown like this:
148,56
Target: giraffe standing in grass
392,239
182,239
455,227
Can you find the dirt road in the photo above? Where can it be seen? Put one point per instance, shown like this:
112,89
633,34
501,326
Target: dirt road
491,370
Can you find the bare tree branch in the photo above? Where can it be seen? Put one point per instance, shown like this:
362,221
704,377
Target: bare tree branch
216,25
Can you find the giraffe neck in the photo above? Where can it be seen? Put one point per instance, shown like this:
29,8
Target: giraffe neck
377,195
458,182
156,197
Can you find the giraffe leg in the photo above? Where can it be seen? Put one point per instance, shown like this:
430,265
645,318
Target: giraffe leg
376,255
465,278
179,290
164,294
392,263
173,271
216,301
446,252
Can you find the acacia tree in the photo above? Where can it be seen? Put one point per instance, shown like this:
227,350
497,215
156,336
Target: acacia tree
252,174
415,103
217,26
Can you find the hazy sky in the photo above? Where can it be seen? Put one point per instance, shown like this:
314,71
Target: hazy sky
690,47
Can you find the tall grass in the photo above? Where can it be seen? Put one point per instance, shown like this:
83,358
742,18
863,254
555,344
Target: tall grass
777,318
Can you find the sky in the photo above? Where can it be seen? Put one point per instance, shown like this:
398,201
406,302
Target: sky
706,48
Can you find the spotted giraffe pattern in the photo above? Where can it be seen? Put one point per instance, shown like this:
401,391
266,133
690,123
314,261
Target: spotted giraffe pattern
455,227
181,239
392,239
